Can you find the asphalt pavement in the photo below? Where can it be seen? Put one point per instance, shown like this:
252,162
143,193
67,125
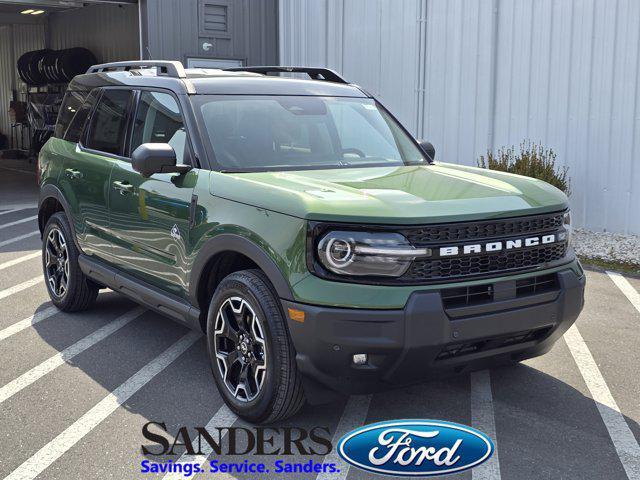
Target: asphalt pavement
76,389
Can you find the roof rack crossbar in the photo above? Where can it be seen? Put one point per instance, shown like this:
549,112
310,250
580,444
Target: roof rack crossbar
168,68
315,73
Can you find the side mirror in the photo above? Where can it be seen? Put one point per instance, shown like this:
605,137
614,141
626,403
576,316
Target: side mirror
150,158
428,149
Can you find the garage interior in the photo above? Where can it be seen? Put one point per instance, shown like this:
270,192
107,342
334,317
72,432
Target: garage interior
46,31
57,39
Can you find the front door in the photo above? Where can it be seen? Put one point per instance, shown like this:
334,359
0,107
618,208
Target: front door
150,216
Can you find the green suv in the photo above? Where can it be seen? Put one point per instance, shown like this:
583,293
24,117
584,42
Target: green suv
295,221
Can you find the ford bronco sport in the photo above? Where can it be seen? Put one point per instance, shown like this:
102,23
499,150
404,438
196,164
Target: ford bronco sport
296,222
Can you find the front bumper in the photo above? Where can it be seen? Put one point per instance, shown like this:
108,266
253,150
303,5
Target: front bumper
426,340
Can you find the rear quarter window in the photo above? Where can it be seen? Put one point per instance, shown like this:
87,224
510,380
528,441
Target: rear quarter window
71,105
79,120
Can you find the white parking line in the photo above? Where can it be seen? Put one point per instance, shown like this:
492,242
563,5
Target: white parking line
57,447
50,364
28,322
17,208
620,433
223,418
18,222
21,286
18,260
482,418
626,288
353,416
18,238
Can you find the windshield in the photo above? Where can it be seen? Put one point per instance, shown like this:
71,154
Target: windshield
256,133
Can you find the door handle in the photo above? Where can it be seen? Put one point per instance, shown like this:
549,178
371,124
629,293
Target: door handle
123,187
73,173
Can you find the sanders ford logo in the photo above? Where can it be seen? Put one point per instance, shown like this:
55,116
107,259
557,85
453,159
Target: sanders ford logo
415,447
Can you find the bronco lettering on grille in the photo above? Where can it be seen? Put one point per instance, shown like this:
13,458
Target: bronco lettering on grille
498,246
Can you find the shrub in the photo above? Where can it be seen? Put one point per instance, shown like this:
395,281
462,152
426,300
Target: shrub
532,160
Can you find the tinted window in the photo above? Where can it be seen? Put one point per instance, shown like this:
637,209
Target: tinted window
109,122
71,104
158,120
296,132
74,131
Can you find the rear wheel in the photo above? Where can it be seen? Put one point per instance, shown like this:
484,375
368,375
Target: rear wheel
252,358
69,289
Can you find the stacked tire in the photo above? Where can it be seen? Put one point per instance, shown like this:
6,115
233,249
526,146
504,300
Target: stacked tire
40,67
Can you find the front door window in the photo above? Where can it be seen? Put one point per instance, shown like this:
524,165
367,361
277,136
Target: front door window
158,120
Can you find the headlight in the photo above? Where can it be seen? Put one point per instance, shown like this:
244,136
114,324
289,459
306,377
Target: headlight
367,253
567,226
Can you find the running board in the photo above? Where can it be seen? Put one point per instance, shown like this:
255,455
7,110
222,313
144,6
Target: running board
141,292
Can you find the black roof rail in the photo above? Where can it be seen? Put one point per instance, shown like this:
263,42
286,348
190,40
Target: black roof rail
169,68
315,73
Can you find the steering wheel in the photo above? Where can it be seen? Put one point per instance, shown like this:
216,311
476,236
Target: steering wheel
359,153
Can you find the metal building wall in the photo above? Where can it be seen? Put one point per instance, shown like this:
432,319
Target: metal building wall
6,78
14,41
111,32
371,42
472,75
171,31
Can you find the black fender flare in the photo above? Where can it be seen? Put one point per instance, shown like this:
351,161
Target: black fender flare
51,191
229,242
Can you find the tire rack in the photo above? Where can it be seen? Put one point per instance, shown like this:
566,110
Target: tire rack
41,116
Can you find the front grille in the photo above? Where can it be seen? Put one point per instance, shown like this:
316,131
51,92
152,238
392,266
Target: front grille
482,264
465,231
469,296
539,284
456,252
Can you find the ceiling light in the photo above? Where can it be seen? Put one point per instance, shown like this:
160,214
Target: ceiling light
37,12
27,12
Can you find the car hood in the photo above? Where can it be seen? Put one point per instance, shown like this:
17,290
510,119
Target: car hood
392,195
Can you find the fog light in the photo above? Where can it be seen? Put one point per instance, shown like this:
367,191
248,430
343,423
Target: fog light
360,359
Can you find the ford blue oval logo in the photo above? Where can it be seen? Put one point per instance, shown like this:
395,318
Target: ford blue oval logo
415,447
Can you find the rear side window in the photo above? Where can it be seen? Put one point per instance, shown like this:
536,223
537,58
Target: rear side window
71,104
109,122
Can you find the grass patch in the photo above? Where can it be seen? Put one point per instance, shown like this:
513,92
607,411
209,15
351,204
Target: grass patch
622,267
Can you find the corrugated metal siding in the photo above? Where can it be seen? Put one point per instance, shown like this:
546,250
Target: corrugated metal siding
6,79
369,41
171,29
25,39
111,32
14,41
471,75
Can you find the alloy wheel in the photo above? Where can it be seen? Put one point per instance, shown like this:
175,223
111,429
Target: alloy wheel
56,258
240,348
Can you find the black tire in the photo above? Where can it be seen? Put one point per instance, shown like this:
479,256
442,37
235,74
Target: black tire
80,292
281,394
73,61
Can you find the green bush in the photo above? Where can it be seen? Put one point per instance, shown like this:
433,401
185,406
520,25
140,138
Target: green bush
532,160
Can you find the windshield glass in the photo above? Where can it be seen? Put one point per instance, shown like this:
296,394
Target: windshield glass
254,133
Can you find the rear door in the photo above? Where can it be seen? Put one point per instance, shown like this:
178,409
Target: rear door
101,144
99,129
150,216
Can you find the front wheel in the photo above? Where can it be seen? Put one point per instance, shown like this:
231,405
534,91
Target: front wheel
251,355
